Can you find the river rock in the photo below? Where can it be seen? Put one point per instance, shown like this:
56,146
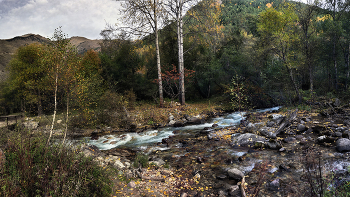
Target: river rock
273,145
346,134
274,185
343,145
337,134
172,122
132,184
119,165
268,132
289,140
246,139
301,128
171,117
91,151
235,174
120,152
179,124
234,190
253,127
195,121
270,124
157,162
277,118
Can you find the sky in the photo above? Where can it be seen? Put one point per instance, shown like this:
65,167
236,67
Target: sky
84,18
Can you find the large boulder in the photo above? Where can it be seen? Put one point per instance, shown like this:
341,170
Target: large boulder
235,174
246,139
253,127
268,132
343,145
179,124
195,121
301,128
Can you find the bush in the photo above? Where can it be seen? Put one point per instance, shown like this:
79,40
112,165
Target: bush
34,169
142,160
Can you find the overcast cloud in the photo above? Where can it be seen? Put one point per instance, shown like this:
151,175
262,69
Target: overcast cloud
77,17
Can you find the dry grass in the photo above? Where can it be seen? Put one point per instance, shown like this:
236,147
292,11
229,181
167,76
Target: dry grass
147,114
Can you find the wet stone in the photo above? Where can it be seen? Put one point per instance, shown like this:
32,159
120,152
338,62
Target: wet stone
132,184
273,145
337,134
247,139
221,176
235,174
301,128
343,145
274,185
270,124
289,140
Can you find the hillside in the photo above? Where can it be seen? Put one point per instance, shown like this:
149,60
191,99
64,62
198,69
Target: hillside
84,44
9,46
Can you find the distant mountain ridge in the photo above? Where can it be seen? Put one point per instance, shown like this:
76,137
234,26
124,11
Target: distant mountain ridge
9,46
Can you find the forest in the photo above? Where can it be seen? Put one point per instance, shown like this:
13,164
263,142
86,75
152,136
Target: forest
272,53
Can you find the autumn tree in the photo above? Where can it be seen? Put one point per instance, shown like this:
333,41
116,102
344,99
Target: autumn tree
28,74
143,17
204,16
307,15
278,29
61,58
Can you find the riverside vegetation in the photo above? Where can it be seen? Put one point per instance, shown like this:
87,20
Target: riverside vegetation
292,164
233,55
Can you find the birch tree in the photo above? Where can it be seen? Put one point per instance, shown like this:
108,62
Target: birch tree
62,59
144,17
176,12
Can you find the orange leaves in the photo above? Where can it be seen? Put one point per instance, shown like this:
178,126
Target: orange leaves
269,5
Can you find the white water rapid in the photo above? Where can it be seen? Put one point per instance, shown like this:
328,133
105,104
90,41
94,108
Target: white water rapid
150,137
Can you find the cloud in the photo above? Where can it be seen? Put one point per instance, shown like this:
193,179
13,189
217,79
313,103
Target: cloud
77,17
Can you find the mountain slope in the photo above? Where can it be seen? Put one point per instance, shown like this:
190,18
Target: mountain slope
9,46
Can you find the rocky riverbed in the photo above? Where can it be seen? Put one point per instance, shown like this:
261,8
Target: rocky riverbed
274,153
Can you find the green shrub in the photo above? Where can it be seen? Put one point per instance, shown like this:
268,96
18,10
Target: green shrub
34,169
142,160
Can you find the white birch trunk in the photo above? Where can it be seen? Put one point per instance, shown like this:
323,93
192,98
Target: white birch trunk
181,57
161,100
54,112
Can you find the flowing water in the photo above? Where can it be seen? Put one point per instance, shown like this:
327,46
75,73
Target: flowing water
219,156
152,137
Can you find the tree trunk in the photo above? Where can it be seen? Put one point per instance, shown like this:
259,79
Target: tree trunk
40,107
335,64
161,100
346,59
181,55
67,116
290,71
54,112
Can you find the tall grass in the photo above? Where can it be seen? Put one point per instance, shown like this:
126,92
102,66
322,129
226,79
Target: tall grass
34,169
